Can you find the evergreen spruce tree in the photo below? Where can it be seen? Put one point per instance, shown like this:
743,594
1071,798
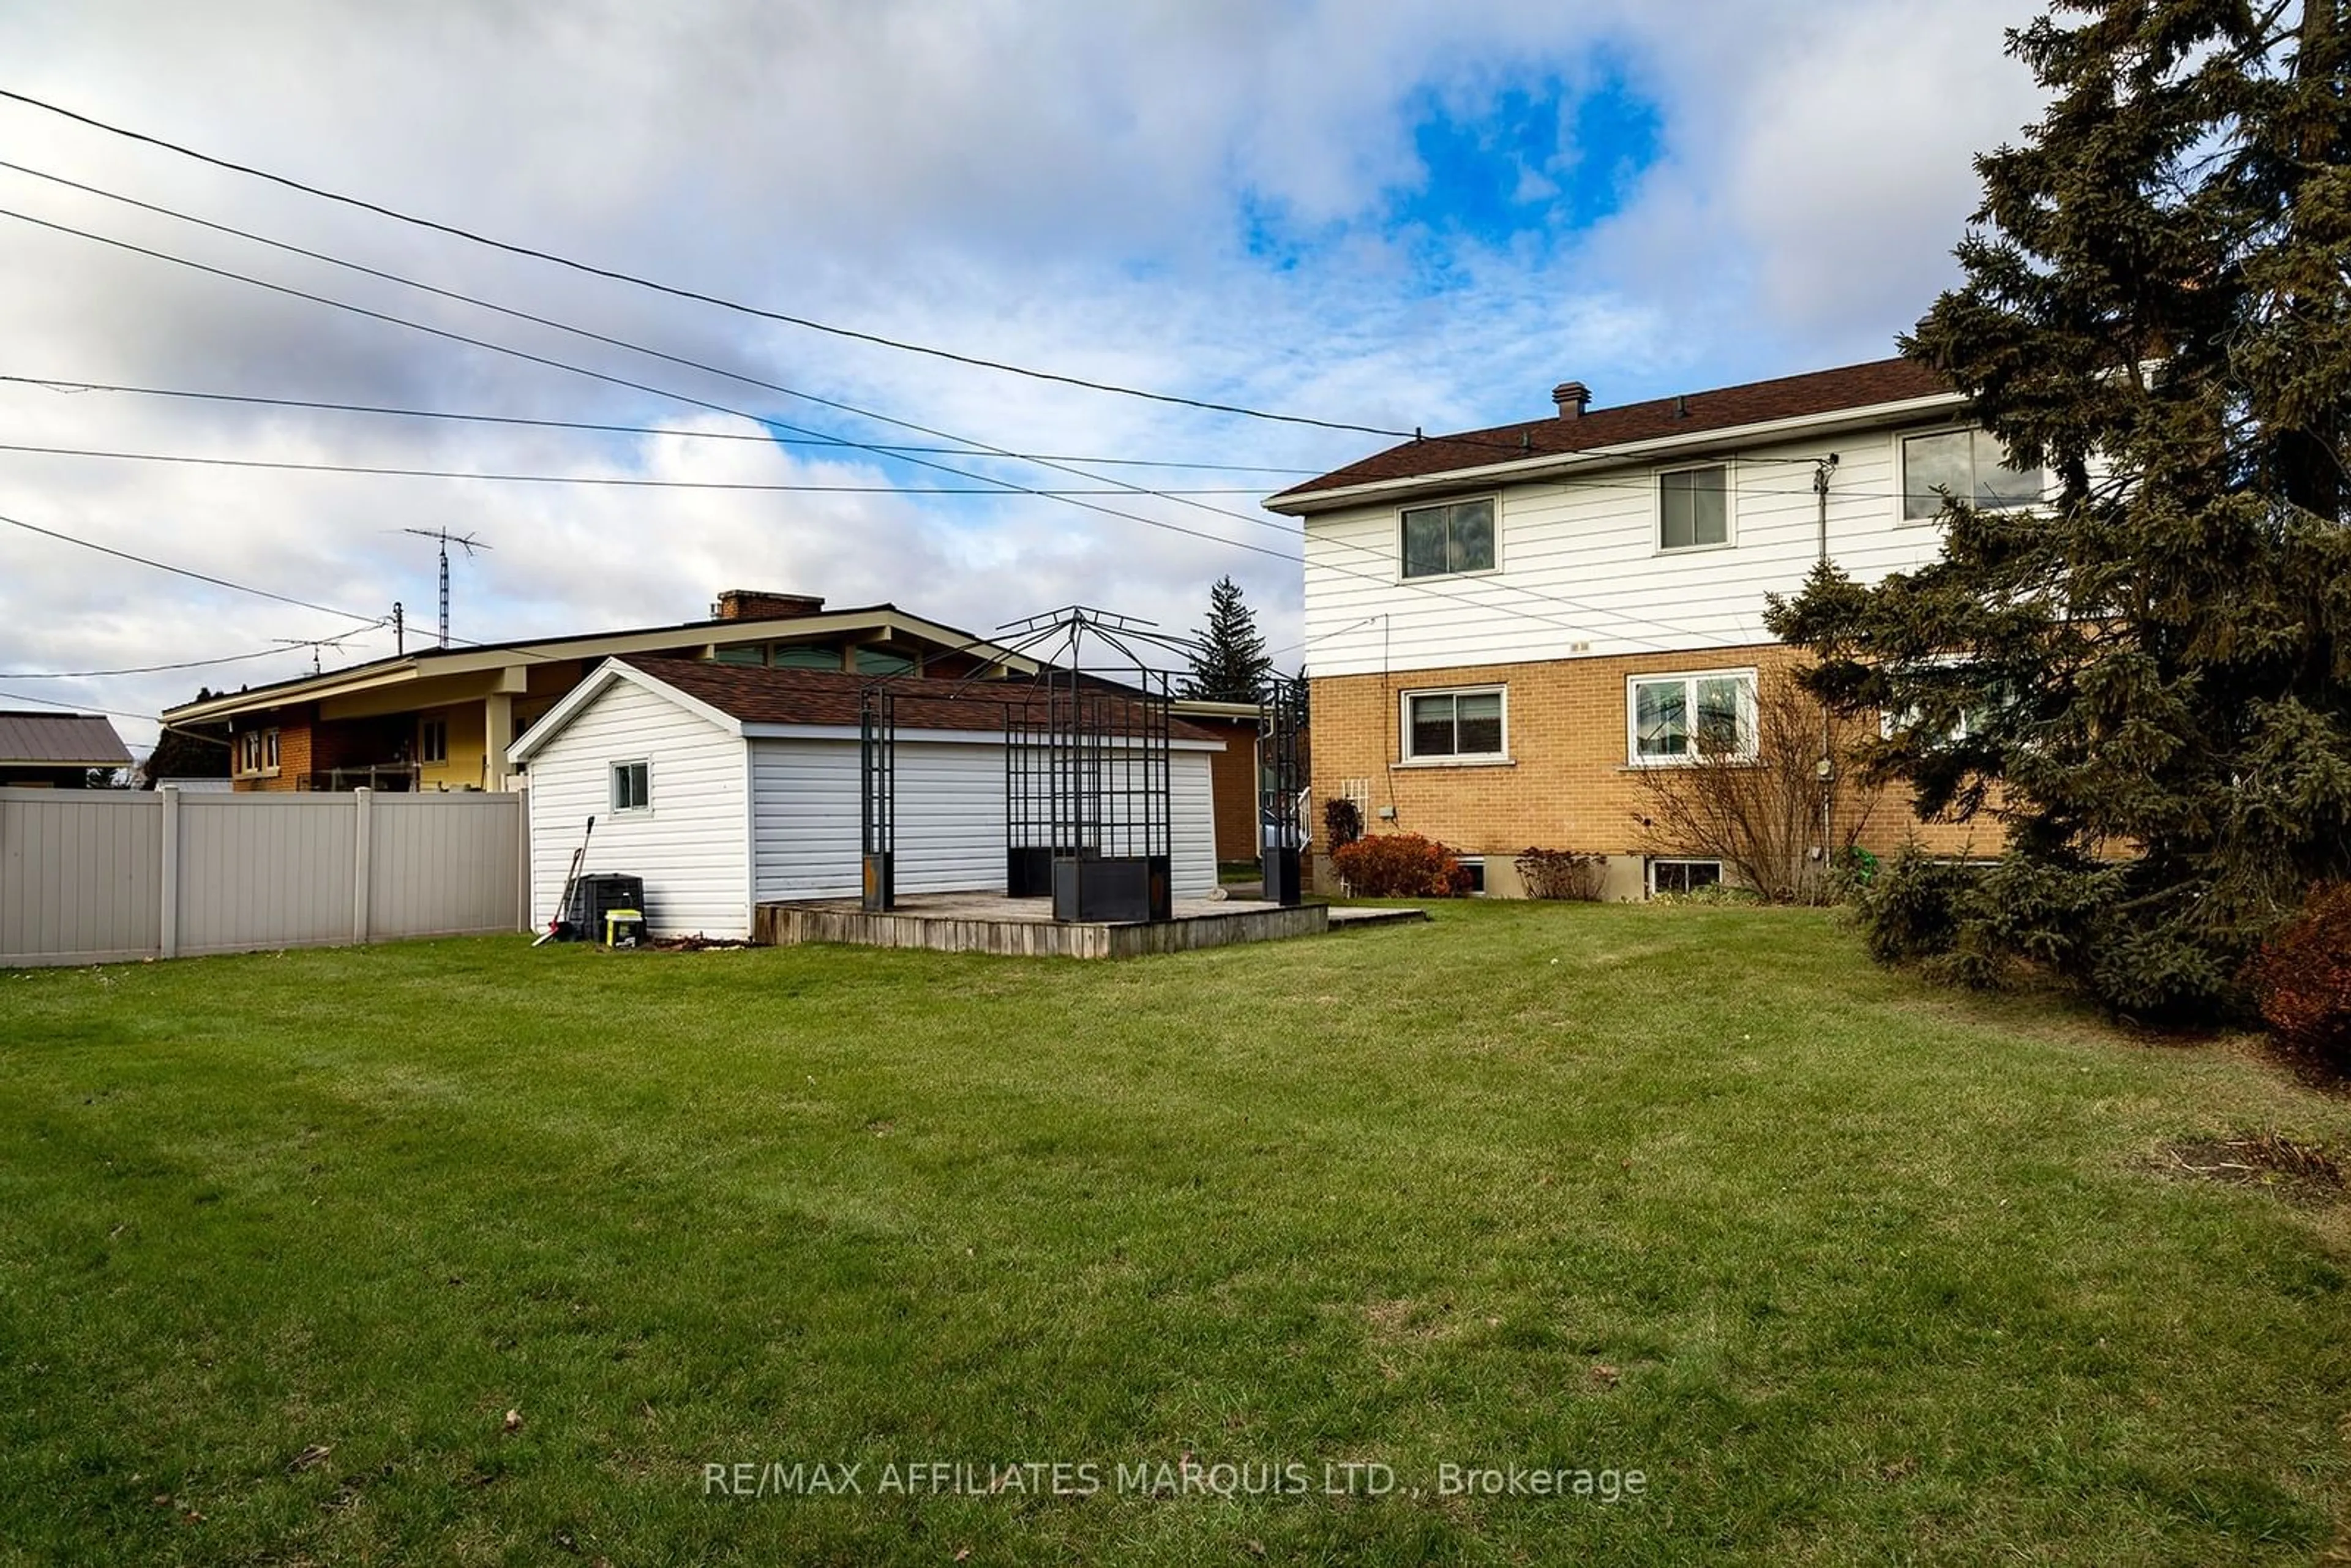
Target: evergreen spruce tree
2146,683
1230,663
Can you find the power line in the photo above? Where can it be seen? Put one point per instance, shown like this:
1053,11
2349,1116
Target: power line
113,713
619,481
764,438
136,669
1010,487
190,572
675,291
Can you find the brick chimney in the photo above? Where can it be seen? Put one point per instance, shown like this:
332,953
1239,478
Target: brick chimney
752,604
1572,398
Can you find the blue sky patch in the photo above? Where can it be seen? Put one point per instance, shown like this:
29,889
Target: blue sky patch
1530,162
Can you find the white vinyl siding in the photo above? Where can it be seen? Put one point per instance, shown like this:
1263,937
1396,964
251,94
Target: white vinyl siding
950,819
691,849
1583,573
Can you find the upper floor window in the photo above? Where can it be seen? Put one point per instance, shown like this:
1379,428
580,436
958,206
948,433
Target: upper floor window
1687,718
1694,507
1456,725
1457,535
1969,465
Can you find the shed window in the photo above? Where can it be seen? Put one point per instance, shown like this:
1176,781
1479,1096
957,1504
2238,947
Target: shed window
633,787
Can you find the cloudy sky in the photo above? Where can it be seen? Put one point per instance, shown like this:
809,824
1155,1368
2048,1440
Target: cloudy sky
1393,215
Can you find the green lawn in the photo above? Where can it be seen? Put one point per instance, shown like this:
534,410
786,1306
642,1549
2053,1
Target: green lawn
1849,1269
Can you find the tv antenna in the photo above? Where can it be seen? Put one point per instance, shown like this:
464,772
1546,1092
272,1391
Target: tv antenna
468,543
318,645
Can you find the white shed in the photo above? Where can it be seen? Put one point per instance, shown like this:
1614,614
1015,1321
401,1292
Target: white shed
726,787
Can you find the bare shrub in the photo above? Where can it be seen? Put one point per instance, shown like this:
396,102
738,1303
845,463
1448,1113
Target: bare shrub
1561,874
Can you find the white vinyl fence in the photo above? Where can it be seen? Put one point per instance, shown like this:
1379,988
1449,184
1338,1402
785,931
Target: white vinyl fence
93,876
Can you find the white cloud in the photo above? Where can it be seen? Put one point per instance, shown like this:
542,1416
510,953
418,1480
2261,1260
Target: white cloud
1056,185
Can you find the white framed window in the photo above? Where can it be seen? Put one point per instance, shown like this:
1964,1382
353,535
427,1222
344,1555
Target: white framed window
432,739
1685,717
1475,865
1971,721
1469,724
1694,507
1965,465
633,787
1683,875
257,753
1451,538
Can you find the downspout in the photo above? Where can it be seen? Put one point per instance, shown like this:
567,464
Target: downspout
1820,472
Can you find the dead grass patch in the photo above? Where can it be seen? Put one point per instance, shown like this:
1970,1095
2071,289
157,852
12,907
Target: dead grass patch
2301,1172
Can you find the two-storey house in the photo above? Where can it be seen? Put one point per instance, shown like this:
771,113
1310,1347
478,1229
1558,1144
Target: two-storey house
1505,626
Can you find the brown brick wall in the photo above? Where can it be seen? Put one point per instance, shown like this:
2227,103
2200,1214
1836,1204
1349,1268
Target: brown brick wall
1232,776
1566,786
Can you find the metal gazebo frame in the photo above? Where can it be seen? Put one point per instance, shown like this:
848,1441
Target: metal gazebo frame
1089,819
1283,833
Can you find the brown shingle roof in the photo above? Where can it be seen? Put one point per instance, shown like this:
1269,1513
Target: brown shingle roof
760,695
60,740
1757,402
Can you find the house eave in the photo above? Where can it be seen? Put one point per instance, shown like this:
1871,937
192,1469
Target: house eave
1555,465
880,625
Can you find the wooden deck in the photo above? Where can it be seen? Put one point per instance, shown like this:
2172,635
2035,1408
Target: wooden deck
989,923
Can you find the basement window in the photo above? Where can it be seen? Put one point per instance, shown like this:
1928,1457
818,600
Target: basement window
1682,876
633,787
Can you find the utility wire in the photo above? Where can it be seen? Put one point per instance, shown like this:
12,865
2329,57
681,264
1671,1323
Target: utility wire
58,385
1010,487
113,713
675,291
190,572
623,481
137,669
1415,435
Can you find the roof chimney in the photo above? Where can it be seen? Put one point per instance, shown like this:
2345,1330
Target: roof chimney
1572,398
754,604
